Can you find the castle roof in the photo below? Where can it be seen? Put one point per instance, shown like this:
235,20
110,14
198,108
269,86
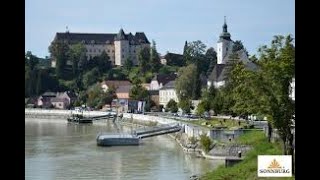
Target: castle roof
102,38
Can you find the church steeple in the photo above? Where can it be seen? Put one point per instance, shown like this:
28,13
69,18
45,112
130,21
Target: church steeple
225,34
225,27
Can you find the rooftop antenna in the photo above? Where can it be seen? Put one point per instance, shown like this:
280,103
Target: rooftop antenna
67,30
225,21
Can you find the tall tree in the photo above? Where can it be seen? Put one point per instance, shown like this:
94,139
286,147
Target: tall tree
138,92
144,59
186,56
184,83
211,59
238,45
59,52
77,53
154,59
128,64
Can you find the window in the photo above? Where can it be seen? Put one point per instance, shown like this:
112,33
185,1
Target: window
134,51
122,50
94,50
113,51
90,50
122,56
99,50
227,49
108,50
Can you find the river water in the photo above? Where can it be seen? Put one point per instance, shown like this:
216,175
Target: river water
55,149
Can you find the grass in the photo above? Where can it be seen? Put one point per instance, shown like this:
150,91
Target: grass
220,123
247,169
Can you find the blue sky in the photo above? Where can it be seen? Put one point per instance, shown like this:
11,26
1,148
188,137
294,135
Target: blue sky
169,22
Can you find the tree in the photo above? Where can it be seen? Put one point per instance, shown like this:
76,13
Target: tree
94,96
184,83
107,97
237,46
172,106
195,52
138,92
185,105
144,59
211,59
90,77
203,106
31,60
76,53
101,63
186,56
128,64
267,90
154,59
59,52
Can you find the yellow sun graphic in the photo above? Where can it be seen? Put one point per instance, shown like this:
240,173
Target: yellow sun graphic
274,164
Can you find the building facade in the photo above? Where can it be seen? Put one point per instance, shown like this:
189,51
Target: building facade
166,93
118,46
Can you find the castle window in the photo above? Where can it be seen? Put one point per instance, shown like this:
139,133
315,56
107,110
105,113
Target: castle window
226,49
134,51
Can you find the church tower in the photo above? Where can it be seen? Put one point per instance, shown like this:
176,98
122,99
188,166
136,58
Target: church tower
224,45
121,48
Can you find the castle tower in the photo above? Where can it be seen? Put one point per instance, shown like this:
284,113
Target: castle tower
224,45
121,48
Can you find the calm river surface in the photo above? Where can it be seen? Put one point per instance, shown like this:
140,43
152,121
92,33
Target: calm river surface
57,150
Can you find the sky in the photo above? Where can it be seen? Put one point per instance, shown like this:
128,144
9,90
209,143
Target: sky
168,22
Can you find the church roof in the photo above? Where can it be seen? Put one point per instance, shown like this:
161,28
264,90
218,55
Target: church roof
219,72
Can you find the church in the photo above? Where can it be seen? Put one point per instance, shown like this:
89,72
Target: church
224,49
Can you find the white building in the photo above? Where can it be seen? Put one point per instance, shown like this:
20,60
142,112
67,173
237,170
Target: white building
118,46
224,49
166,93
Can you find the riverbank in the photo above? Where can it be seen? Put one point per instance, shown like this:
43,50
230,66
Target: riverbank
248,167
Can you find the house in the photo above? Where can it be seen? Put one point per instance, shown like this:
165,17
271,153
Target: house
122,92
218,76
44,100
60,102
167,92
119,46
105,85
160,80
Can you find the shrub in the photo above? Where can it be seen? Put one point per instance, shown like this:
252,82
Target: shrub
205,142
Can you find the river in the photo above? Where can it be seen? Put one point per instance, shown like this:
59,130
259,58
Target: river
55,149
